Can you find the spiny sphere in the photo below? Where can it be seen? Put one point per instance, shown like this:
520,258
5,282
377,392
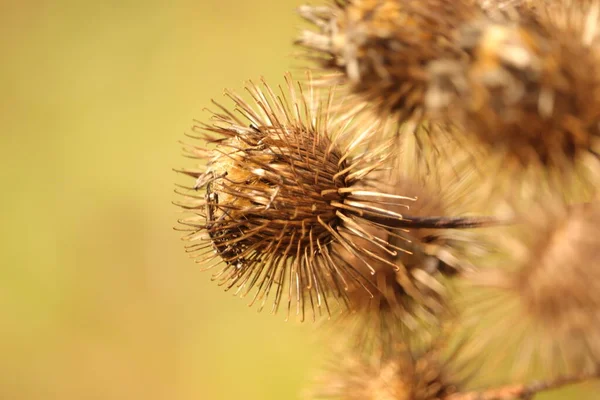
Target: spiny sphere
559,284
405,297
382,47
280,192
403,376
547,293
531,88
414,295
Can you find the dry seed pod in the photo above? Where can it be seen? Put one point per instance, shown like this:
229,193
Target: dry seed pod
382,47
283,198
408,297
414,297
531,90
405,375
546,293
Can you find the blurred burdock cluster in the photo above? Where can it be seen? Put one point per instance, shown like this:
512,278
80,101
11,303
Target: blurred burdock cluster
429,186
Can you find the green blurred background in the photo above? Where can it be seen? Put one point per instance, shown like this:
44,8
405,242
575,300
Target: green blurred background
97,298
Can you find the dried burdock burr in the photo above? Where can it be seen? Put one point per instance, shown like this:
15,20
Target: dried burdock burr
318,199
278,192
381,48
543,292
283,197
412,300
434,371
406,374
530,91
405,298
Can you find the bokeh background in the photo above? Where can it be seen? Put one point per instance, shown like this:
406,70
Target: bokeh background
97,298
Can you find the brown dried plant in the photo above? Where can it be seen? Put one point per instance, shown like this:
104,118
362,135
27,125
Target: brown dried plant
414,298
543,287
404,374
381,47
364,193
530,89
283,210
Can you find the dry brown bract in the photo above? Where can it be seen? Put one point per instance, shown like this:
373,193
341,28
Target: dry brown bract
531,89
382,47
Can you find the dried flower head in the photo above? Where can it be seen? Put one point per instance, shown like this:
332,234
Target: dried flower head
531,88
414,298
282,196
410,295
544,299
405,375
382,47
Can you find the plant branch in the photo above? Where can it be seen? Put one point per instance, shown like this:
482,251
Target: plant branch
523,391
438,222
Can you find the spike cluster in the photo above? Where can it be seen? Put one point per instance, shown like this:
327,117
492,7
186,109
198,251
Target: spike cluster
381,47
521,92
406,296
415,295
286,208
404,375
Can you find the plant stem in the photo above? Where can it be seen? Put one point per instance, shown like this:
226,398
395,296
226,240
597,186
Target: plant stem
523,391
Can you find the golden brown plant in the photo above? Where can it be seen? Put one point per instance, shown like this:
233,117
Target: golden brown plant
306,198
412,294
413,298
432,372
279,193
283,198
381,48
546,294
530,90
404,375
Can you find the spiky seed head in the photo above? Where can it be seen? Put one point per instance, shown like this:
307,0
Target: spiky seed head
280,193
531,88
405,375
414,297
381,47
406,298
547,291
559,283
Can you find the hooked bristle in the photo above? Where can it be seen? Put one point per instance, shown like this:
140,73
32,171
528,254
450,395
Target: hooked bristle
414,298
409,296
